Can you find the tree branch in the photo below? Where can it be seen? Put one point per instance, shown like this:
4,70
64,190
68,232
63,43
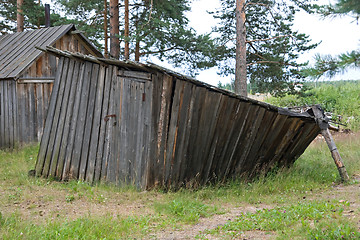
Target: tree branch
282,63
267,39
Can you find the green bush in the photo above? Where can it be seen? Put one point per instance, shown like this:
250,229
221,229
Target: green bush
342,98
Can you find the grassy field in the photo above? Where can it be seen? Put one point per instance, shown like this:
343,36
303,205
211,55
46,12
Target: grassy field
306,201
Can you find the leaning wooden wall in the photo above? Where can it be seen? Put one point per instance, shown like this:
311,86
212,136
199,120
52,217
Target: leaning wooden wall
157,129
97,125
201,135
8,116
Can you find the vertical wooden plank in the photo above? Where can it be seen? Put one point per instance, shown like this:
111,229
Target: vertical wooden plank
81,122
147,133
16,113
59,128
152,169
184,126
108,169
140,148
49,119
89,122
173,130
2,115
40,109
100,159
94,141
56,120
162,133
195,137
73,123
71,87
31,112
253,130
229,126
117,142
122,133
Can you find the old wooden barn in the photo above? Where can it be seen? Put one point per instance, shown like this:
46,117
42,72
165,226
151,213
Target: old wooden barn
130,123
26,79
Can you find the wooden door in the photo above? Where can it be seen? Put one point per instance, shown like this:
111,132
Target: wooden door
131,131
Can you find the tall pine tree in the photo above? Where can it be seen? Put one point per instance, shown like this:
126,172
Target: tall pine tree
272,46
156,29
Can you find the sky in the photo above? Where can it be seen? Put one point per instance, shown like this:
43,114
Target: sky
337,36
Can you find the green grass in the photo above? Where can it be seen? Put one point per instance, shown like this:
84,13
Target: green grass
106,227
312,218
313,173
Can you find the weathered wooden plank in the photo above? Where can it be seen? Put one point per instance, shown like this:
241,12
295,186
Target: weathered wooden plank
118,142
183,133
100,159
40,110
252,158
2,114
110,126
73,123
271,142
89,122
49,119
60,125
194,136
173,130
15,110
253,131
140,136
92,158
212,106
157,81
81,122
147,133
220,138
6,116
231,138
53,133
135,75
163,124
32,112
242,143
71,86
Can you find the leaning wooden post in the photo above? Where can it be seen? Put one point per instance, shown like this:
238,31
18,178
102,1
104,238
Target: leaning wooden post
322,121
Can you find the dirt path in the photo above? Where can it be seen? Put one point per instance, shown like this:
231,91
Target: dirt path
341,193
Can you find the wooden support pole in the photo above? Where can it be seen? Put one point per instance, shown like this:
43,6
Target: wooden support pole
322,121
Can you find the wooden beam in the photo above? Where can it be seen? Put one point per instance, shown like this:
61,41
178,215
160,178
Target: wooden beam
322,121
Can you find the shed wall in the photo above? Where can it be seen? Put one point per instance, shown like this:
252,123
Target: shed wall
97,125
8,116
155,129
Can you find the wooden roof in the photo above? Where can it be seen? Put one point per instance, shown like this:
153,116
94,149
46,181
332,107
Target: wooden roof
18,50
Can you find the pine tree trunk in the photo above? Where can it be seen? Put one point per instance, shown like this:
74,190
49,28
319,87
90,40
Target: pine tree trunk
137,51
106,53
114,29
240,68
19,16
126,32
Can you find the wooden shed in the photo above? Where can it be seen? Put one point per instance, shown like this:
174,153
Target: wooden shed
139,124
26,79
